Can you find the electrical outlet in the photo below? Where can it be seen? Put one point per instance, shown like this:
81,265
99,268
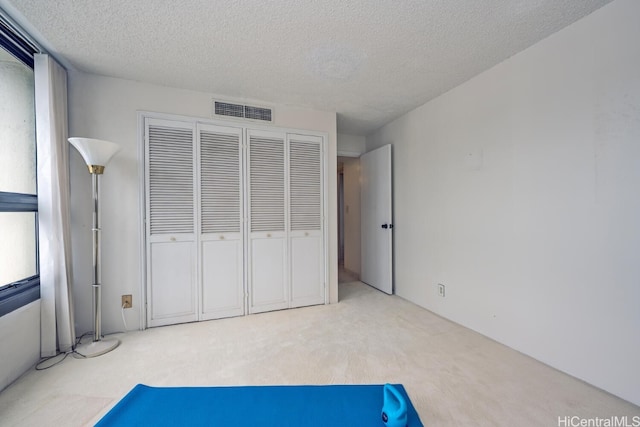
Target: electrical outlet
441,290
127,301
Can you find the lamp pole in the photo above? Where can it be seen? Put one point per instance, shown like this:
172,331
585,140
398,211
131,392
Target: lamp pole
97,273
96,154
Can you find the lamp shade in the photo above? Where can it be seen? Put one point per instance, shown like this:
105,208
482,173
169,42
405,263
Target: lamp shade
95,152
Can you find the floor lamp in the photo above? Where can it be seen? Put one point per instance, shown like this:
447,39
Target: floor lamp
96,153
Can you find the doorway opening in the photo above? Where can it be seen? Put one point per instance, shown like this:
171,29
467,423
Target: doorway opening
348,219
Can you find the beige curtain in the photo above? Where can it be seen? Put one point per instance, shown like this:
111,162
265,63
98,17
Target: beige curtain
57,330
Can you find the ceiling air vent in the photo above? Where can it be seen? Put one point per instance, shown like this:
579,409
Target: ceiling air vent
229,109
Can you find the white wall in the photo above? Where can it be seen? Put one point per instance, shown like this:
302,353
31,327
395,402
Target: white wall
351,175
351,145
20,338
106,108
519,190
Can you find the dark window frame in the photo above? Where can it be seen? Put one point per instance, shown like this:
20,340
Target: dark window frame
22,292
18,202
18,294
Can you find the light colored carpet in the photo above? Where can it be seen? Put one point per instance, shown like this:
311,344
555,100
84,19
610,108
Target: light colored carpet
455,377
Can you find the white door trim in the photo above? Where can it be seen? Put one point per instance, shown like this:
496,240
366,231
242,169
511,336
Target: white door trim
142,117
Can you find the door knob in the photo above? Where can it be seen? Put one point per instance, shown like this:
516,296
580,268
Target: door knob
385,226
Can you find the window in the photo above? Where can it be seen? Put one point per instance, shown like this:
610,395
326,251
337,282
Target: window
19,269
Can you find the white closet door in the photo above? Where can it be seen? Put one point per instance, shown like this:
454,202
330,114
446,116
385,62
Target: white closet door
170,221
267,197
221,221
306,222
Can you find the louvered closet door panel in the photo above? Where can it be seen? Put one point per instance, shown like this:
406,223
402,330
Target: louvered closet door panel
267,175
306,220
220,185
305,181
171,213
170,155
268,279
221,221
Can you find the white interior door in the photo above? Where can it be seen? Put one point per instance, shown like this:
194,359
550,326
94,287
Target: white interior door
306,222
171,212
221,221
268,278
376,219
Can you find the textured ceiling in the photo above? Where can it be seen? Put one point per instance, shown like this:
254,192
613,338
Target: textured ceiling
369,60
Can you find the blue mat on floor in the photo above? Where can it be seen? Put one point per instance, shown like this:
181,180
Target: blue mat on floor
254,406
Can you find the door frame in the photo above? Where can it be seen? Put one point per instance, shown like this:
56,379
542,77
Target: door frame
248,124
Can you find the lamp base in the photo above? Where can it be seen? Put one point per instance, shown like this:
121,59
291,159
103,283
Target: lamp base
97,348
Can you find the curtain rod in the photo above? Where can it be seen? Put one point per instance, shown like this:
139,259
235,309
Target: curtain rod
11,23
25,29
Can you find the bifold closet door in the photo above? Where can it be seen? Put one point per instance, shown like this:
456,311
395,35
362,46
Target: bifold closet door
170,222
234,220
221,221
307,263
267,195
